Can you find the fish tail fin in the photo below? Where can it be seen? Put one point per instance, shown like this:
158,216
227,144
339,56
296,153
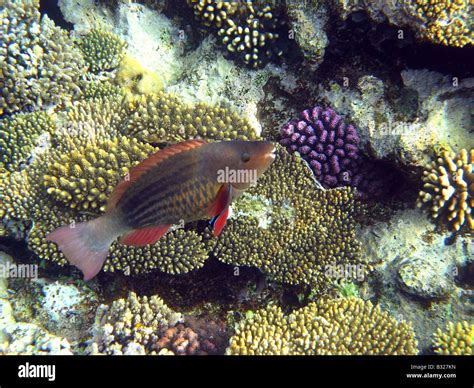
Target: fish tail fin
85,244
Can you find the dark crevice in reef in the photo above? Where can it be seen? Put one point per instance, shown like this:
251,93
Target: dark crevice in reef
51,8
359,46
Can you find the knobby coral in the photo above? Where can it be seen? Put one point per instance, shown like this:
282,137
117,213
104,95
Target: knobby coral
19,134
39,64
328,326
444,21
455,339
132,325
448,189
102,50
290,229
253,34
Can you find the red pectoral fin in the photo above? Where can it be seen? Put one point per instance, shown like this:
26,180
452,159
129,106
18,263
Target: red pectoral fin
221,201
145,236
220,222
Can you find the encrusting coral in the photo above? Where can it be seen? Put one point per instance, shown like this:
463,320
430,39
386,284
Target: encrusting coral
290,229
102,50
448,189
455,339
39,63
329,326
132,325
19,134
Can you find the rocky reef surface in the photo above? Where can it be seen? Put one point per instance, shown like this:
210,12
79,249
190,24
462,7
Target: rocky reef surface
357,240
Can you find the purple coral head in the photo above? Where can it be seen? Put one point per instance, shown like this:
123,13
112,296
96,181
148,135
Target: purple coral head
323,139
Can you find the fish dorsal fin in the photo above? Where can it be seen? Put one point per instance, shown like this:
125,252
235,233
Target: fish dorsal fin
144,236
147,164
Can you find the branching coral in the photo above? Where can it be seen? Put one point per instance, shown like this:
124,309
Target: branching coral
163,118
251,33
102,50
337,326
290,229
177,252
449,189
329,145
444,21
456,339
19,134
132,325
39,64
213,13
86,175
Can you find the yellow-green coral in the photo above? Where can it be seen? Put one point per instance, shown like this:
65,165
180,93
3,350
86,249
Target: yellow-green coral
177,252
19,134
164,118
39,64
102,50
294,231
137,80
444,21
449,189
455,339
329,326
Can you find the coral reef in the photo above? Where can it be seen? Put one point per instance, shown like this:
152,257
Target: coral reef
448,189
422,278
102,50
337,326
163,118
455,339
329,146
41,68
251,33
85,175
308,22
213,13
438,21
20,134
441,108
443,21
131,326
284,211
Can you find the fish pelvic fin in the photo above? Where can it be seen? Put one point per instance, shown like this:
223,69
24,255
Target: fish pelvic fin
153,160
85,244
220,222
219,209
144,236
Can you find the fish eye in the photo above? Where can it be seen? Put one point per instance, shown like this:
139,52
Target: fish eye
245,157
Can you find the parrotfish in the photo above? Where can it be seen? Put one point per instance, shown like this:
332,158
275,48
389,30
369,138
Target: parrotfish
189,181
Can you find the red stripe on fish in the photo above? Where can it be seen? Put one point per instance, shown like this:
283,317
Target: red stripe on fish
145,236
